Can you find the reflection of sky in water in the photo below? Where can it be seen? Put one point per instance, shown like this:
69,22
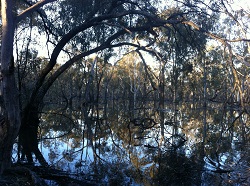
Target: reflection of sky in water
68,154
61,153
66,157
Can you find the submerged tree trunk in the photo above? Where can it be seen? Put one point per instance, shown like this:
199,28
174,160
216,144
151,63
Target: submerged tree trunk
10,109
28,136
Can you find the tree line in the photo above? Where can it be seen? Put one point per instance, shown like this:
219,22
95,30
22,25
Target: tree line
192,70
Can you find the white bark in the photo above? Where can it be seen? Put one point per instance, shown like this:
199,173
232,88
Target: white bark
11,124
9,128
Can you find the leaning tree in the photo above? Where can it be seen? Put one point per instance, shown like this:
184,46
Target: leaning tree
86,27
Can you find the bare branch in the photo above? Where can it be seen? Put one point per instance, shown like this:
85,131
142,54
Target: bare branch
196,27
32,8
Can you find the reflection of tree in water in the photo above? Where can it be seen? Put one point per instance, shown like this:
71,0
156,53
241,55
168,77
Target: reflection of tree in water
113,137
129,151
177,169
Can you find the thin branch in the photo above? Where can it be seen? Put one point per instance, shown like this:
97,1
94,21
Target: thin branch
146,70
32,8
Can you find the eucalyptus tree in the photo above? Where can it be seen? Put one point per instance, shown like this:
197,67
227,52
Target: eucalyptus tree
237,56
97,15
79,28
11,122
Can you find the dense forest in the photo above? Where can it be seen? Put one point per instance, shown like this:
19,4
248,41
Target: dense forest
124,92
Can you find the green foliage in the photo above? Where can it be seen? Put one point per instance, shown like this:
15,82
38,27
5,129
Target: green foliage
192,85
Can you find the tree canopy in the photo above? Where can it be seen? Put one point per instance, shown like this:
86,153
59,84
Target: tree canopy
123,68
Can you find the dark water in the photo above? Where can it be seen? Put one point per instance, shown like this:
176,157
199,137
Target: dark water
157,147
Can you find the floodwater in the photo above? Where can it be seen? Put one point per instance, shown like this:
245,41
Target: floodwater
173,148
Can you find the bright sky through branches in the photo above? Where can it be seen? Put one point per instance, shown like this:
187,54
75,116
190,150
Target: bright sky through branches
42,48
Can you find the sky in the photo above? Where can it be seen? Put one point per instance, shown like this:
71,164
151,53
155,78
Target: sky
42,51
241,4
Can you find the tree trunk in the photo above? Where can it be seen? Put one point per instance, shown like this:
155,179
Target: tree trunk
11,123
28,138
162,98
